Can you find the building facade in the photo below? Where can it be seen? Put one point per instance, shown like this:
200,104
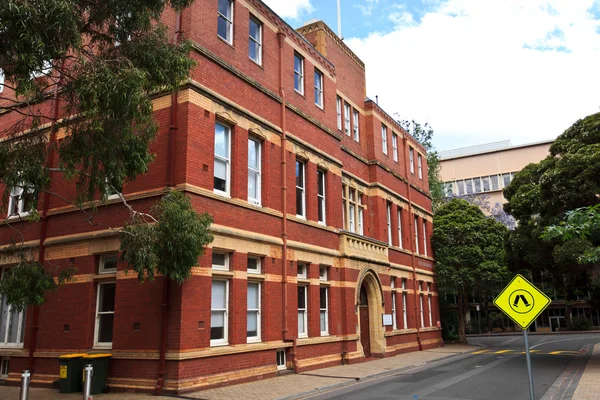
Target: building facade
322,223
485,170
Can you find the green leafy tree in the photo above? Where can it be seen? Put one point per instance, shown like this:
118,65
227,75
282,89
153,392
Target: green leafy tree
470,255
89,70
543,194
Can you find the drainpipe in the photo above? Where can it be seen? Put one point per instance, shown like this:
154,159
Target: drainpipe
173,126
284,259
411,223
44,219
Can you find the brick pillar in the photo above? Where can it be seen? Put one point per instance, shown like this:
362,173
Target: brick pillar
333,200
406,235
311,191
313,300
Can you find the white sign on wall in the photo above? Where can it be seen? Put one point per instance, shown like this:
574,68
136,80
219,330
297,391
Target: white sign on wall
387,320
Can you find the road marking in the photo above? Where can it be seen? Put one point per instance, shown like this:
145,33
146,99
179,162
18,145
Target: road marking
563,340
540,352
503,351
480,352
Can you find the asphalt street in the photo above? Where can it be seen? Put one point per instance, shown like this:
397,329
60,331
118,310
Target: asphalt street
497,371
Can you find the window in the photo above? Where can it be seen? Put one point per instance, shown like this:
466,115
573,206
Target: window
389,223
281,364
222,181
253,321
12,323
324,314
404,309
338,107
448,189
321,196
477,185
255,41
318,88
469,186
301,270
486,183
461,187
105,314
352,200
384,139
416,235
506,178
21,199
225,24
220,261
425,237
395,146
323,274
302,309
411,159
300,192
299,74
394,324
108,264
494,180
356,132
254,169
347,118
5,367
352,210
44,71
421,311
420,165
219,305
254,266
1,80
429,310
360,215
400,227
119,22
112,192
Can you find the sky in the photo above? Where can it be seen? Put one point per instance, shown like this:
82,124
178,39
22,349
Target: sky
478,71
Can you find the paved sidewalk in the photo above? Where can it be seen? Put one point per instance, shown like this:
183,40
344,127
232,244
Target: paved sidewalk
589,384
293,386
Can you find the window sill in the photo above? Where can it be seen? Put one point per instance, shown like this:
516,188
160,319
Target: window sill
222,273
320,107
299,93
324,333
17,217
103,346
253,340
221,193
219,344
230,44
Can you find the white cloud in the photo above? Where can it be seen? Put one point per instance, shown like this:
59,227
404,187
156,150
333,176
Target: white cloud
366,9
292,9
487,70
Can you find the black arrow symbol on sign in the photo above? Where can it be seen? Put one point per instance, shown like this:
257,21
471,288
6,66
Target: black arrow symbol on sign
521,297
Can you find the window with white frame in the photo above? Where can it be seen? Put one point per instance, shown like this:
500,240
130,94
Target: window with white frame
338,107
356,122
389,223
300,189
321,196
222,173
302,269
12,323
5,367
298,74
324,310
1,80
395,146
105,314
400,227
107,263
411,159
353,200
420,165
302,312
323,273
361,210
253,319
421,311
225,24
44,71
254,265
416,228
429,310
318,88
112,192
393,286
404,308
254,171
347,118
425,237
281,364
219,306
255,41
21,199
352,210
384,144
220,261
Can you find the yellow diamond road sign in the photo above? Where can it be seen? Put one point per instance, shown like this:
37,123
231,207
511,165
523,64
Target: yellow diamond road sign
522,301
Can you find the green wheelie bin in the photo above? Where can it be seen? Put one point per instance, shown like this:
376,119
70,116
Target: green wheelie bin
70,373
100,364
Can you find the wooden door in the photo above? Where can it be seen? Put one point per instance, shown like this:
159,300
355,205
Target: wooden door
365,337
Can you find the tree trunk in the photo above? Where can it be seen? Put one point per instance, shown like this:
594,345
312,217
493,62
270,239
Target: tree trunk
462,311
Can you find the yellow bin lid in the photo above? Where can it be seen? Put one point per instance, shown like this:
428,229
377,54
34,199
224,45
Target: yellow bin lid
66,356
97,355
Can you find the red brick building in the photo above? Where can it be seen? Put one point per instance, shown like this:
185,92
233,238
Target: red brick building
322,221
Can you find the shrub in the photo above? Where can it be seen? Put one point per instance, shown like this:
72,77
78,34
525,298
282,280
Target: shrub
581,323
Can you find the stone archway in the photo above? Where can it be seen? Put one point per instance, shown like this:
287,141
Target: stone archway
370,327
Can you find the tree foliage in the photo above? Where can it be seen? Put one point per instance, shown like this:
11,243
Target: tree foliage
470,255
89,70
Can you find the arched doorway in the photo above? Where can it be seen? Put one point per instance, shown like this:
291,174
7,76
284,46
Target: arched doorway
370,309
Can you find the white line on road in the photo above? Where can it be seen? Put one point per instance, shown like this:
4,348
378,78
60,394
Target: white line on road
563,340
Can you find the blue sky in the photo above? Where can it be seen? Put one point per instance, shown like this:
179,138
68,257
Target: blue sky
478,71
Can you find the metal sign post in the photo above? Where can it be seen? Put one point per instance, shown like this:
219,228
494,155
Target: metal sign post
528,357
25,380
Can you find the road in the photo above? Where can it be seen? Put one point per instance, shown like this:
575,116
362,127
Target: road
496,372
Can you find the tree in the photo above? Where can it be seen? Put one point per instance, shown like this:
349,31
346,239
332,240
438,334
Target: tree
424,135
89,70
542,194
470,256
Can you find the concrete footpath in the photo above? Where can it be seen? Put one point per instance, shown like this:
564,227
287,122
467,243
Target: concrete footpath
589,384
288,387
